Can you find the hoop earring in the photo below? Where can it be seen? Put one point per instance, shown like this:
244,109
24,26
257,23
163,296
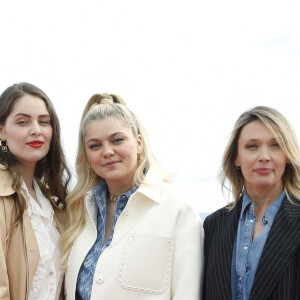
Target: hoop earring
2,146
139,158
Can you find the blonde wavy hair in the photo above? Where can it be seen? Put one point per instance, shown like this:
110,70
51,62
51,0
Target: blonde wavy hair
231,177
100,106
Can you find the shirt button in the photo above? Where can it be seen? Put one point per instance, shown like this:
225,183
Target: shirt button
99,279
251,221
240,279
126,214
245,247
51,273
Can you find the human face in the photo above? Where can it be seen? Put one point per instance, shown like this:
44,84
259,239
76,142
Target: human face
112,150
260,157
27,130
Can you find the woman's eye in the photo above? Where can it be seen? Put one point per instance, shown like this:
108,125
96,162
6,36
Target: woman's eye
119,140
94,146
22,122
251,146
276,145
47,122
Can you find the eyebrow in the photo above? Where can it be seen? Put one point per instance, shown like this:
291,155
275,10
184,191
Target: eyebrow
112,135
253,140
29,116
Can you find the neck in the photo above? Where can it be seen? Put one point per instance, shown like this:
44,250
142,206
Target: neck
263,197
118,189
27,174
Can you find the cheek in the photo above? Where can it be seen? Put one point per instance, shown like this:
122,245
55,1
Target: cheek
92,158
49,134
15,136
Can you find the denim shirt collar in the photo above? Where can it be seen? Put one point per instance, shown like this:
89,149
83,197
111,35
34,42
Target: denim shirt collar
101,191
270,213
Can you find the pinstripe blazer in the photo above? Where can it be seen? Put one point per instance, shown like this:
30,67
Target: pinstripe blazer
278,272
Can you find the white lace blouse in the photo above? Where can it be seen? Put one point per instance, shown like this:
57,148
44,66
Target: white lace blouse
47,280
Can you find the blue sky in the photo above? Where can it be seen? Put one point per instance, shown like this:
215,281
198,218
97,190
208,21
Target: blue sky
188,69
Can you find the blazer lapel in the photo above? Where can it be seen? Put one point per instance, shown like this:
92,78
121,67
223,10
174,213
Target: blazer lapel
282,242
225,241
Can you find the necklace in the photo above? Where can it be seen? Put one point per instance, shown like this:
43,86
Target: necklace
114,198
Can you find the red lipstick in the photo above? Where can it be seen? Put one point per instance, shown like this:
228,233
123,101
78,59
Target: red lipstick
35,144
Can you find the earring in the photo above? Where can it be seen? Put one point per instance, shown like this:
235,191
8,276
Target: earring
238,168
139,158
2,146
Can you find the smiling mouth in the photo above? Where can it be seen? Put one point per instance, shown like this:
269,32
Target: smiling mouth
111,164
35,144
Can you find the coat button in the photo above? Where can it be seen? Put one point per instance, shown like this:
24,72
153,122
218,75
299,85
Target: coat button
99,279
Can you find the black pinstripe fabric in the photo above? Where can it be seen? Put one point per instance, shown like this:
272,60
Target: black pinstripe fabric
278,272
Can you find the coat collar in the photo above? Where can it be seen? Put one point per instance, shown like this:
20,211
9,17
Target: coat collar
151,186
6,181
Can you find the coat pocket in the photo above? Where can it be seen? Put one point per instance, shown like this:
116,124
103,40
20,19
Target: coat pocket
146,263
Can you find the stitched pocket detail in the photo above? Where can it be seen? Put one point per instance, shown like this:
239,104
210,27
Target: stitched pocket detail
146,263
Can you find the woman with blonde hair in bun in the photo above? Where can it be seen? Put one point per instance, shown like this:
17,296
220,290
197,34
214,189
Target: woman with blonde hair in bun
128,236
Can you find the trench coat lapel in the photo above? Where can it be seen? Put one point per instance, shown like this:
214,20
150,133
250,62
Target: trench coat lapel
282,242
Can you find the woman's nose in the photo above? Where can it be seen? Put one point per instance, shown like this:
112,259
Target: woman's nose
108,151
264,154
35,129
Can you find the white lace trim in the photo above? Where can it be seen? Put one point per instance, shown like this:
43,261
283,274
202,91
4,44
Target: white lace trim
47,279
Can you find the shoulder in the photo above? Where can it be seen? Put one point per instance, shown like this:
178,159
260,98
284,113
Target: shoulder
221,217
6,181
165,195
291,207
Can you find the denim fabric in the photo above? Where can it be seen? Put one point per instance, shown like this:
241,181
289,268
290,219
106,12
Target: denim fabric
87,270
246,253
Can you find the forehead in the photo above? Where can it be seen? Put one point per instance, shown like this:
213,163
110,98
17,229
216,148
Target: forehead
105,127
256,130
30,105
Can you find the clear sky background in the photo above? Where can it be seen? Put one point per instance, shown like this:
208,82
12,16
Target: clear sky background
187,68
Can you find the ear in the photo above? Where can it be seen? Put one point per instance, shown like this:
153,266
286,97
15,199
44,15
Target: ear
2,135
237,161
140,143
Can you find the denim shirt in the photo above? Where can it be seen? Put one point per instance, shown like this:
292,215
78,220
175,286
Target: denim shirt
87,270
247,253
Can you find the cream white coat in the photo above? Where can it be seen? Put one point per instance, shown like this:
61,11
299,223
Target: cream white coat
156,251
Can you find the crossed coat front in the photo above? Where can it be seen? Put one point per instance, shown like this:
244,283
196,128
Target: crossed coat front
278,272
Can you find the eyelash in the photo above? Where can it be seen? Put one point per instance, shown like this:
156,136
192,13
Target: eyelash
254,146
118,140
97,146
251,146
43,122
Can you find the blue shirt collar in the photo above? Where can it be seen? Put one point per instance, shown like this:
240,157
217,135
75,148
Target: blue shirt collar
101,191
270,212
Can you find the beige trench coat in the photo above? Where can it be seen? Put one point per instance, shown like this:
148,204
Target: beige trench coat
19,254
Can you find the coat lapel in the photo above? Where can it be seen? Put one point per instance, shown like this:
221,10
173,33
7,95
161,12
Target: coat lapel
282,242
223,244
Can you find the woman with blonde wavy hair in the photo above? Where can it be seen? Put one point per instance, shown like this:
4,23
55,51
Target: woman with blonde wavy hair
252,246
128,236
